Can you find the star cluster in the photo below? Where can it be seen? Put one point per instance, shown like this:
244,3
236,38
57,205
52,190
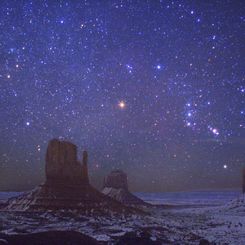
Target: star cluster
156,88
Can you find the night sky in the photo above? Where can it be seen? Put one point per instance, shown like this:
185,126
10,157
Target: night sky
156,88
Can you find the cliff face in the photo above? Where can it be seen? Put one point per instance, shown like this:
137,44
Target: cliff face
116,187
62,164
85,168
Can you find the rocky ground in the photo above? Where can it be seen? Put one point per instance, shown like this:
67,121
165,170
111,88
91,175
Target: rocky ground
176,225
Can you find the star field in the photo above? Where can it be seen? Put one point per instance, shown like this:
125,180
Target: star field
156,88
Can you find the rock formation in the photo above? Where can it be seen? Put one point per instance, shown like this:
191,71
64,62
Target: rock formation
116,187
66,186
62,165
85,168
116,179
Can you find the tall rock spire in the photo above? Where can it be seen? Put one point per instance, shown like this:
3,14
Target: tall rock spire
85,167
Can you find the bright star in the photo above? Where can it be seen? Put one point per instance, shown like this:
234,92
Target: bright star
215,131
122,104
225,166
27,123
159,67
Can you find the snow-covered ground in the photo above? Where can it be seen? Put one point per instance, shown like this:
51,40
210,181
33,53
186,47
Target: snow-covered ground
220,219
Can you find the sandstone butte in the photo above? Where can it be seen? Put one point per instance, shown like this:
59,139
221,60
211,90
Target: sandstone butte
66,186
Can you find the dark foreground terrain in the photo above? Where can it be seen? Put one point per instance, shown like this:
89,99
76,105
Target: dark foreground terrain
182,223
72,238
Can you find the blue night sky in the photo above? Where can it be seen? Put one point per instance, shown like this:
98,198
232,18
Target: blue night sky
156,88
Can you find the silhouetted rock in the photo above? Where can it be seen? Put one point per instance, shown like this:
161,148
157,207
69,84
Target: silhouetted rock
116,187
48,237
85,167
3,204
3,242
62,164
205,242
116,179
66,186
133,238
